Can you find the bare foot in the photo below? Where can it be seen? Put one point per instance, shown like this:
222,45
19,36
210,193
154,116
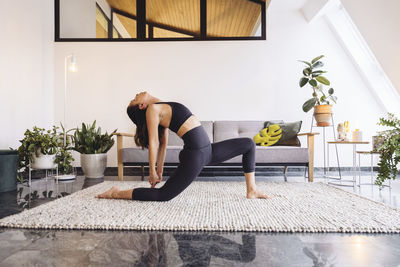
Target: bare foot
256,194
109,193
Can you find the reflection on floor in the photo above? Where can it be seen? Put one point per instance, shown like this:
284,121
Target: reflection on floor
20,247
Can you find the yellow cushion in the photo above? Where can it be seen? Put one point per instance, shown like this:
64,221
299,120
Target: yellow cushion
268,136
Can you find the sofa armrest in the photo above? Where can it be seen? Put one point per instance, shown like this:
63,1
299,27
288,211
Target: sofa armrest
123,134
120,145
307,134
310,146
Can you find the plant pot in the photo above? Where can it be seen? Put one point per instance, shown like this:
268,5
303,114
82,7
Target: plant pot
323,115
43,161
8,170
94,165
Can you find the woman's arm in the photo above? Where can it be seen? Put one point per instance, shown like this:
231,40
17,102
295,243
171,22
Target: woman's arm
153,120
161,154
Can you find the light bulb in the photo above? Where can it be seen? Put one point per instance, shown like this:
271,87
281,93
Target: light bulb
72,66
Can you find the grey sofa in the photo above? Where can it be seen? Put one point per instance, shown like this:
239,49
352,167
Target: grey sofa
219,131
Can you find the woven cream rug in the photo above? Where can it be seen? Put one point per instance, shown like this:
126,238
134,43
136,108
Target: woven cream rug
217,206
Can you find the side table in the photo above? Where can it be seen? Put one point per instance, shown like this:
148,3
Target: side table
339,180
371,153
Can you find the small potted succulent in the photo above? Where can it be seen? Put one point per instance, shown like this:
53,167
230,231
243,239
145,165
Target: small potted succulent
93,147
38,148
320,101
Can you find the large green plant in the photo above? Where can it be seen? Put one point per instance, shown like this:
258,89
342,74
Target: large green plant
89,140
36,141
64,157
389,149
312,75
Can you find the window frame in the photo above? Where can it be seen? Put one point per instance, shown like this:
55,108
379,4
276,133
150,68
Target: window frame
141,28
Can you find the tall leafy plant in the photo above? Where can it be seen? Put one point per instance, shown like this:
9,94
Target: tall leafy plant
313,75
64,157
90,140
389,149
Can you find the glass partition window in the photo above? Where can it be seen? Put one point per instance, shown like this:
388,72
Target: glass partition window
239,18
160,20
101,24
173,18
128,24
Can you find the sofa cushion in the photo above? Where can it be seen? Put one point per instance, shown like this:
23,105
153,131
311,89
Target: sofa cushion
137,155
277,154
289,133
175,140
233,129
281,154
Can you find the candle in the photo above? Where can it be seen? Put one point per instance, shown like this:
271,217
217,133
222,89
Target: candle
357,136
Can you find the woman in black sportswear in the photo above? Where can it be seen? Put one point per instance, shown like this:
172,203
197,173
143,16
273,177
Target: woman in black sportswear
153,118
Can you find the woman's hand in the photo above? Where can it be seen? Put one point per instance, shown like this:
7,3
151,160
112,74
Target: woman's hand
159,173
153,179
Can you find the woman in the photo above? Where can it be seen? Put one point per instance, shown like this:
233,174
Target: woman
153,118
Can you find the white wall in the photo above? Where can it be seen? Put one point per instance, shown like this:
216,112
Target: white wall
241,80
378,22
26,68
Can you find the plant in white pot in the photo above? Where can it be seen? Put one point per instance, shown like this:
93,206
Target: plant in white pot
320,101
93,147
38,149
64,157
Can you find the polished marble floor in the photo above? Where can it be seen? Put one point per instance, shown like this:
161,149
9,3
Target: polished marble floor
19,247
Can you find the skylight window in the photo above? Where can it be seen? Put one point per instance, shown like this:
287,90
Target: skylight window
357,48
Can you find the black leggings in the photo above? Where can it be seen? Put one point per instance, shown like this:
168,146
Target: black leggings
198,152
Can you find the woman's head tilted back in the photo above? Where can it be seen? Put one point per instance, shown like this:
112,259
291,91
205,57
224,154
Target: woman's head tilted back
137,113
138,116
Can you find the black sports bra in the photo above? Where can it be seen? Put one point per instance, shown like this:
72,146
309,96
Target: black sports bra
180,114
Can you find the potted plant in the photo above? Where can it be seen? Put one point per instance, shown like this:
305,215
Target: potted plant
38,148
320,101
388,146
64,157
93,147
